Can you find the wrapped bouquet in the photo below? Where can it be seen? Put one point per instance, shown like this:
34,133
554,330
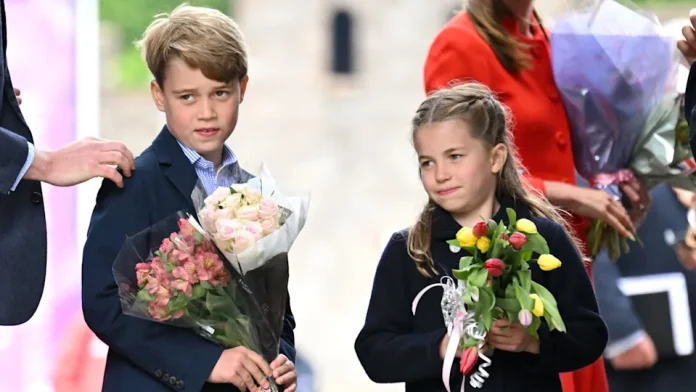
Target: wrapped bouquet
494,282
226,278
616,69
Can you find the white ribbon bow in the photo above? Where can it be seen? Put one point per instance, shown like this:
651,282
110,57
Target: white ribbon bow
459,324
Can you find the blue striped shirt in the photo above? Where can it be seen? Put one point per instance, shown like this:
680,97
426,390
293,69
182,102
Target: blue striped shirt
205,169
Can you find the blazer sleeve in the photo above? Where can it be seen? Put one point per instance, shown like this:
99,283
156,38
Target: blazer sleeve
155,348
586,334
387,347
14,151
456,56
287,337
616,309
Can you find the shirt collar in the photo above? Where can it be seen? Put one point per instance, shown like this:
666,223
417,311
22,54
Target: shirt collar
196,159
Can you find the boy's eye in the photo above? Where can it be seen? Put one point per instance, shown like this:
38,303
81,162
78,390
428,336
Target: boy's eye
186,97
222,93
455,156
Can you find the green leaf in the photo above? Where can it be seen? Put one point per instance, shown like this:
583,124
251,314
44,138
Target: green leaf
533,328
178,302
469,342
486,298
543,293
143,296
526,255
466,272
465,261
525,277
512,216
487,320
510,305
551,310
169,267
478,278
510,292
536,243
454,243
524,299
206,285
199,291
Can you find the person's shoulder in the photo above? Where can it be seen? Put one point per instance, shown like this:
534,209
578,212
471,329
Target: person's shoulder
460,33
547,228
397,245
146,169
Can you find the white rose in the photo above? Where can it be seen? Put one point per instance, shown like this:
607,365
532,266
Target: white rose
243,240
255,229
269,225
226,229
219,195
252,195
247,213
268,208
232,201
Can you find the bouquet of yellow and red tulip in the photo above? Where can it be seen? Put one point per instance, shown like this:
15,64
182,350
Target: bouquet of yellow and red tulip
496,280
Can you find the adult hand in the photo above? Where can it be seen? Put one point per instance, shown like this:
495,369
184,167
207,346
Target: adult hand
591,203
688,45
640,200
17,93
443,347
241,367
641,356
687,255
284,373
82,161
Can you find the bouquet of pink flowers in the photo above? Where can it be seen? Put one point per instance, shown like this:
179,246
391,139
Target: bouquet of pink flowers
182,281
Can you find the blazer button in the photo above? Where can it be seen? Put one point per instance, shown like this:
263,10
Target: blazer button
172,380
36,198
165,378
180,384
158,373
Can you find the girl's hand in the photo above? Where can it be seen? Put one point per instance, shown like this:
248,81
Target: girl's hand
284,373
592,204
507,336
443,348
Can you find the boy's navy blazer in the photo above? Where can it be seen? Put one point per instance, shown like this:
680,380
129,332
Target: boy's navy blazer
145,355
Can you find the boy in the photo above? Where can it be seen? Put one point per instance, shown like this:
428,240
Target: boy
198,59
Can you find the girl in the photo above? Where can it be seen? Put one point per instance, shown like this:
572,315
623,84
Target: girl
469,171
502,44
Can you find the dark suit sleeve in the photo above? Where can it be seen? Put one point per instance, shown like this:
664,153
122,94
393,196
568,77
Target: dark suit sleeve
689,103
387,347
156,348
586,334
13,155
616,309
287,338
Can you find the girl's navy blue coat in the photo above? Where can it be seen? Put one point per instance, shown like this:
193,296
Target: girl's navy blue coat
394,346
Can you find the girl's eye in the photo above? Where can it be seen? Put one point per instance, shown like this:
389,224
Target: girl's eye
425,163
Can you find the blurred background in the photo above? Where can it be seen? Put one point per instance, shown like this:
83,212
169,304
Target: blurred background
332,88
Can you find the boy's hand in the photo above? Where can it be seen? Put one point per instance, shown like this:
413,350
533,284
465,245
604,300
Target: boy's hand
511,337
284,373
241,367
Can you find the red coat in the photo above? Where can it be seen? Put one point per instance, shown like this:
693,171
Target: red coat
541,130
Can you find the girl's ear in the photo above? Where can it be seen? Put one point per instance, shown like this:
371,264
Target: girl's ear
499,155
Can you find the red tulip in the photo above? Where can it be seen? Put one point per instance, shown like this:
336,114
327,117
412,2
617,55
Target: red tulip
468,360
517,240
480,229
494,266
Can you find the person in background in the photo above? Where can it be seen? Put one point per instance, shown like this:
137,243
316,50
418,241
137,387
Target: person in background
502,44
634,365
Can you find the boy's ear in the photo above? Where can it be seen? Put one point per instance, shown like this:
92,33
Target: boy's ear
242,88
499,155
157,95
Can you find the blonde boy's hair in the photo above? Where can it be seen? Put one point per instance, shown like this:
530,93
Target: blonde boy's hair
204,38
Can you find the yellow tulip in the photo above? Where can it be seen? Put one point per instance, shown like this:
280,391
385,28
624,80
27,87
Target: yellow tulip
526,226
548,262
538,305
466,237
483,244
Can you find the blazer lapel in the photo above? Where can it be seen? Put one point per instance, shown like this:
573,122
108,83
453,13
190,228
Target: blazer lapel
175,166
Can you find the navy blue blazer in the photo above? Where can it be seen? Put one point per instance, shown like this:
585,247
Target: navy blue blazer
143,355
23,228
